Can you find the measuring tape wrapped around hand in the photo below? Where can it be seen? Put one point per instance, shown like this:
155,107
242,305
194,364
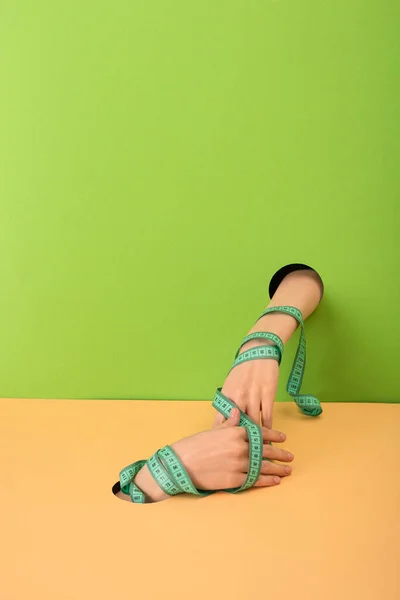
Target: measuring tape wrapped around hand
166,467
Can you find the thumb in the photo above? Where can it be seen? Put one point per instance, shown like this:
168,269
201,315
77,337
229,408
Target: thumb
233,419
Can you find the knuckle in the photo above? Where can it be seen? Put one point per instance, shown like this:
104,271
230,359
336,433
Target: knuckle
240,435
232,481
236,464
240,396
266,388
268,451
240,450
253,389
237,447
265,467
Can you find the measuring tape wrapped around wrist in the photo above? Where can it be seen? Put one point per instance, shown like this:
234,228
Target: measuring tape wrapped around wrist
165,466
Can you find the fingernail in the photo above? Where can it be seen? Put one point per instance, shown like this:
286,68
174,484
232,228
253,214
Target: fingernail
283,436
288,470
277,479
290,456
234,412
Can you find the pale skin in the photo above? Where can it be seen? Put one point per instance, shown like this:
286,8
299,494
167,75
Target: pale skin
218,458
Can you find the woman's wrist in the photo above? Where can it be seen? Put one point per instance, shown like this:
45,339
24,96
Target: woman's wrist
149,487
280,324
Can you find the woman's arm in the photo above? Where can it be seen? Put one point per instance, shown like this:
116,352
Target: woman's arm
219,458
252,385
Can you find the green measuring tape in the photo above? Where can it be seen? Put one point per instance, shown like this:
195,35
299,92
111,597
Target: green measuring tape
166,467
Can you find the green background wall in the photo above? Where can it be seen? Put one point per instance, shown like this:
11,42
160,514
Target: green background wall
161,160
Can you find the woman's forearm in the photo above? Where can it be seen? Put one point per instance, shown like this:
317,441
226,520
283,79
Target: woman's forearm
301,289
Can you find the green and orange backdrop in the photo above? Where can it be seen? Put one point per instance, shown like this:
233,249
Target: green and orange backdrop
161,160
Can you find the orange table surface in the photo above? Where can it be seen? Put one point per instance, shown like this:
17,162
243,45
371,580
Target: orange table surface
330,531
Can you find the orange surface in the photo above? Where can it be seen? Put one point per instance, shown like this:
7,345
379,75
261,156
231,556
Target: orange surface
331,530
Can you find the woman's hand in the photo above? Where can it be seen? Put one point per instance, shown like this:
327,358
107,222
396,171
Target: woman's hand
219,458
252,386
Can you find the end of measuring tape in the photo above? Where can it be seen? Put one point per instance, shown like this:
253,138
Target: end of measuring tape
309,405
